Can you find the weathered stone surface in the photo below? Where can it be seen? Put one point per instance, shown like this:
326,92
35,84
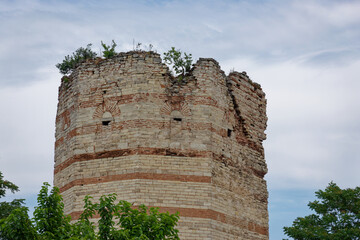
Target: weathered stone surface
124,125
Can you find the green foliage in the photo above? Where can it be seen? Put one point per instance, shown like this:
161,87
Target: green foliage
337,216
18,226
7,207
109,51
106,208
65,79
4,185
71,62
144,223
49,216
181,65
129,223
117,221
84,227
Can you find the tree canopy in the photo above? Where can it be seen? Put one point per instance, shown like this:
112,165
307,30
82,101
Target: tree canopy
181,65
7,207
117,220
71,62
337,216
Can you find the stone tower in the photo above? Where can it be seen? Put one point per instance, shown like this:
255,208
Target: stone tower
125,126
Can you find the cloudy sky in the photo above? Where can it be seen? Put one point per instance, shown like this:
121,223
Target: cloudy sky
305,54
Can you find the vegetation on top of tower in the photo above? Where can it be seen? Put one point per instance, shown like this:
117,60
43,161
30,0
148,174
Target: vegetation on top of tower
82,54
109,51
181,65
71,62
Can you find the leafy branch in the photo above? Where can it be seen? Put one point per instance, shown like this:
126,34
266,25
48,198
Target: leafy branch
181,65
117,220
109,51
71,62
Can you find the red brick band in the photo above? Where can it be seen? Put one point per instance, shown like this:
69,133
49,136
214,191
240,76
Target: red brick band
129,152
145,123
137,175
138,123
146,97
206,214
150,151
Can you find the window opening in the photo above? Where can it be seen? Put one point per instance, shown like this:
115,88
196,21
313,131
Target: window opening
178,119
105,123
229,132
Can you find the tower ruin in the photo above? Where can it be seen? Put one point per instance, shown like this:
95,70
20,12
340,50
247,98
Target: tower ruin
125,126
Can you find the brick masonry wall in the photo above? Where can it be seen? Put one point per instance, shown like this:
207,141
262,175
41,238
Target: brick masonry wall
124,125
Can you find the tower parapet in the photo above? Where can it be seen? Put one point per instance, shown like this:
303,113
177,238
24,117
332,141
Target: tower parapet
124,125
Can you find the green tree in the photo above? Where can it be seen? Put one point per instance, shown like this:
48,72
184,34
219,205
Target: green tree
181,65
7,207
117,221
84,228
18,226
145,223
337,216
71,62
109,51
122,221
50,221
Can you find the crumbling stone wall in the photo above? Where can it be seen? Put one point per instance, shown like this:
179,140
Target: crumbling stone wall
124,125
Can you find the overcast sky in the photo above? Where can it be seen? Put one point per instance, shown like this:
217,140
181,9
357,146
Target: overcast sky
305,54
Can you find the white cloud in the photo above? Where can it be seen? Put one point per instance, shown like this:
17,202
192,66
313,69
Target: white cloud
313,125
336,13
267,31
314,122
27,126
304,53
